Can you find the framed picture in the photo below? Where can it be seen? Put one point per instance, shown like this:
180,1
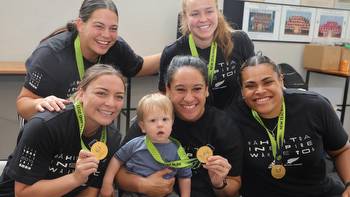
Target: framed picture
290,2
348,31
343,4
330,25
297,24
261,21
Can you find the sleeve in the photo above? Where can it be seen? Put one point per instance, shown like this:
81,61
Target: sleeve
334,135
165,60
38,79
228,143
243,45
33,154
126,151
124,58
184,173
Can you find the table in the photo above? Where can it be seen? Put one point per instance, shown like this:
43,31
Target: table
345,75
12,68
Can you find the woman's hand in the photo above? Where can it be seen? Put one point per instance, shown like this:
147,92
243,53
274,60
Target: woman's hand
107,190
218,169
51,103
86,164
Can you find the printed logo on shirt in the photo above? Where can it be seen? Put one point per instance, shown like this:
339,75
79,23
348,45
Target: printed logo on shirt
294,147
72,88
222,72
63,164
27,158
35,79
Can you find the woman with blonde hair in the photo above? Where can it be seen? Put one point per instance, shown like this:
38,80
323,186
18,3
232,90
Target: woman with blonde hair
206,34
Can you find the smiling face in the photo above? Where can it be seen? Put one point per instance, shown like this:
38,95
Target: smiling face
98,33
202,19
262,89
188,91
157,124
102,101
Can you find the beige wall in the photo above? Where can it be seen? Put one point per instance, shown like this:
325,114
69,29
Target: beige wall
147,25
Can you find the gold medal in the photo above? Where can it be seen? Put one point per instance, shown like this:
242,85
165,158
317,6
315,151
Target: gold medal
278,171
100,150
203,153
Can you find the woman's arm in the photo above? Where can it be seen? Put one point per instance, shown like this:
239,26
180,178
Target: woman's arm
85,165
153,185
342,163
29,103
218,169
150,65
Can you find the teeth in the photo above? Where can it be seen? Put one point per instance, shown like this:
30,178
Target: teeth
189,106
103,42
262,100
106,112
204,27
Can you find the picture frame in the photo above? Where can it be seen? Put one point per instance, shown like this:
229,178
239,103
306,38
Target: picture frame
297,24
343,4
330,25
289,2
348,31
261,21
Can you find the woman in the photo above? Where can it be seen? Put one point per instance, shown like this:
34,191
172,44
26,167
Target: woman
285,135
196,125
208,35
52,157
58,63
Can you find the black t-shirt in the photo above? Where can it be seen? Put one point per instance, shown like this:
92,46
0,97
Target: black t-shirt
312,127
49,148
214,128
225,86
52,68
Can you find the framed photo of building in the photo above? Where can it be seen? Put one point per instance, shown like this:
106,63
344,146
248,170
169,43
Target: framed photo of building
261,21
297,24
330,25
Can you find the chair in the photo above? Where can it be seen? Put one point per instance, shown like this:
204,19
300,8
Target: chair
2,165
291,78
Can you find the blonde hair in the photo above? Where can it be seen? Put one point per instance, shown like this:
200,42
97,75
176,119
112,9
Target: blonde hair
222,34
152,102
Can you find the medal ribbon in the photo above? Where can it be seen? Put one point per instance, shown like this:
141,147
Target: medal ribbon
212,57
278,142
184,161
79,57
81,121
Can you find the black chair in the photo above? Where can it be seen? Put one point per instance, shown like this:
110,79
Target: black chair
291,78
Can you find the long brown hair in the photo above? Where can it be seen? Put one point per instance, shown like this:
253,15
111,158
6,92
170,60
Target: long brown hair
222,34
85,12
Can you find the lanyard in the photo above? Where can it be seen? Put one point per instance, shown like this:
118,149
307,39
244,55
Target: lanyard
79,57
81,121
212,57
277,142
184,161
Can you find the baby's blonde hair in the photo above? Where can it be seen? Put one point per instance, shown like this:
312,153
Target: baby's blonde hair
152,102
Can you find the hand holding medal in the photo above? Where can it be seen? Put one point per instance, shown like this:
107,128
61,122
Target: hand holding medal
100,150
203,153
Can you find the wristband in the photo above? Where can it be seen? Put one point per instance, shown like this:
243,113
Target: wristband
224,183
347,184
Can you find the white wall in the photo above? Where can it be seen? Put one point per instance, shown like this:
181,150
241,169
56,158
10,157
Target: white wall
147,25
